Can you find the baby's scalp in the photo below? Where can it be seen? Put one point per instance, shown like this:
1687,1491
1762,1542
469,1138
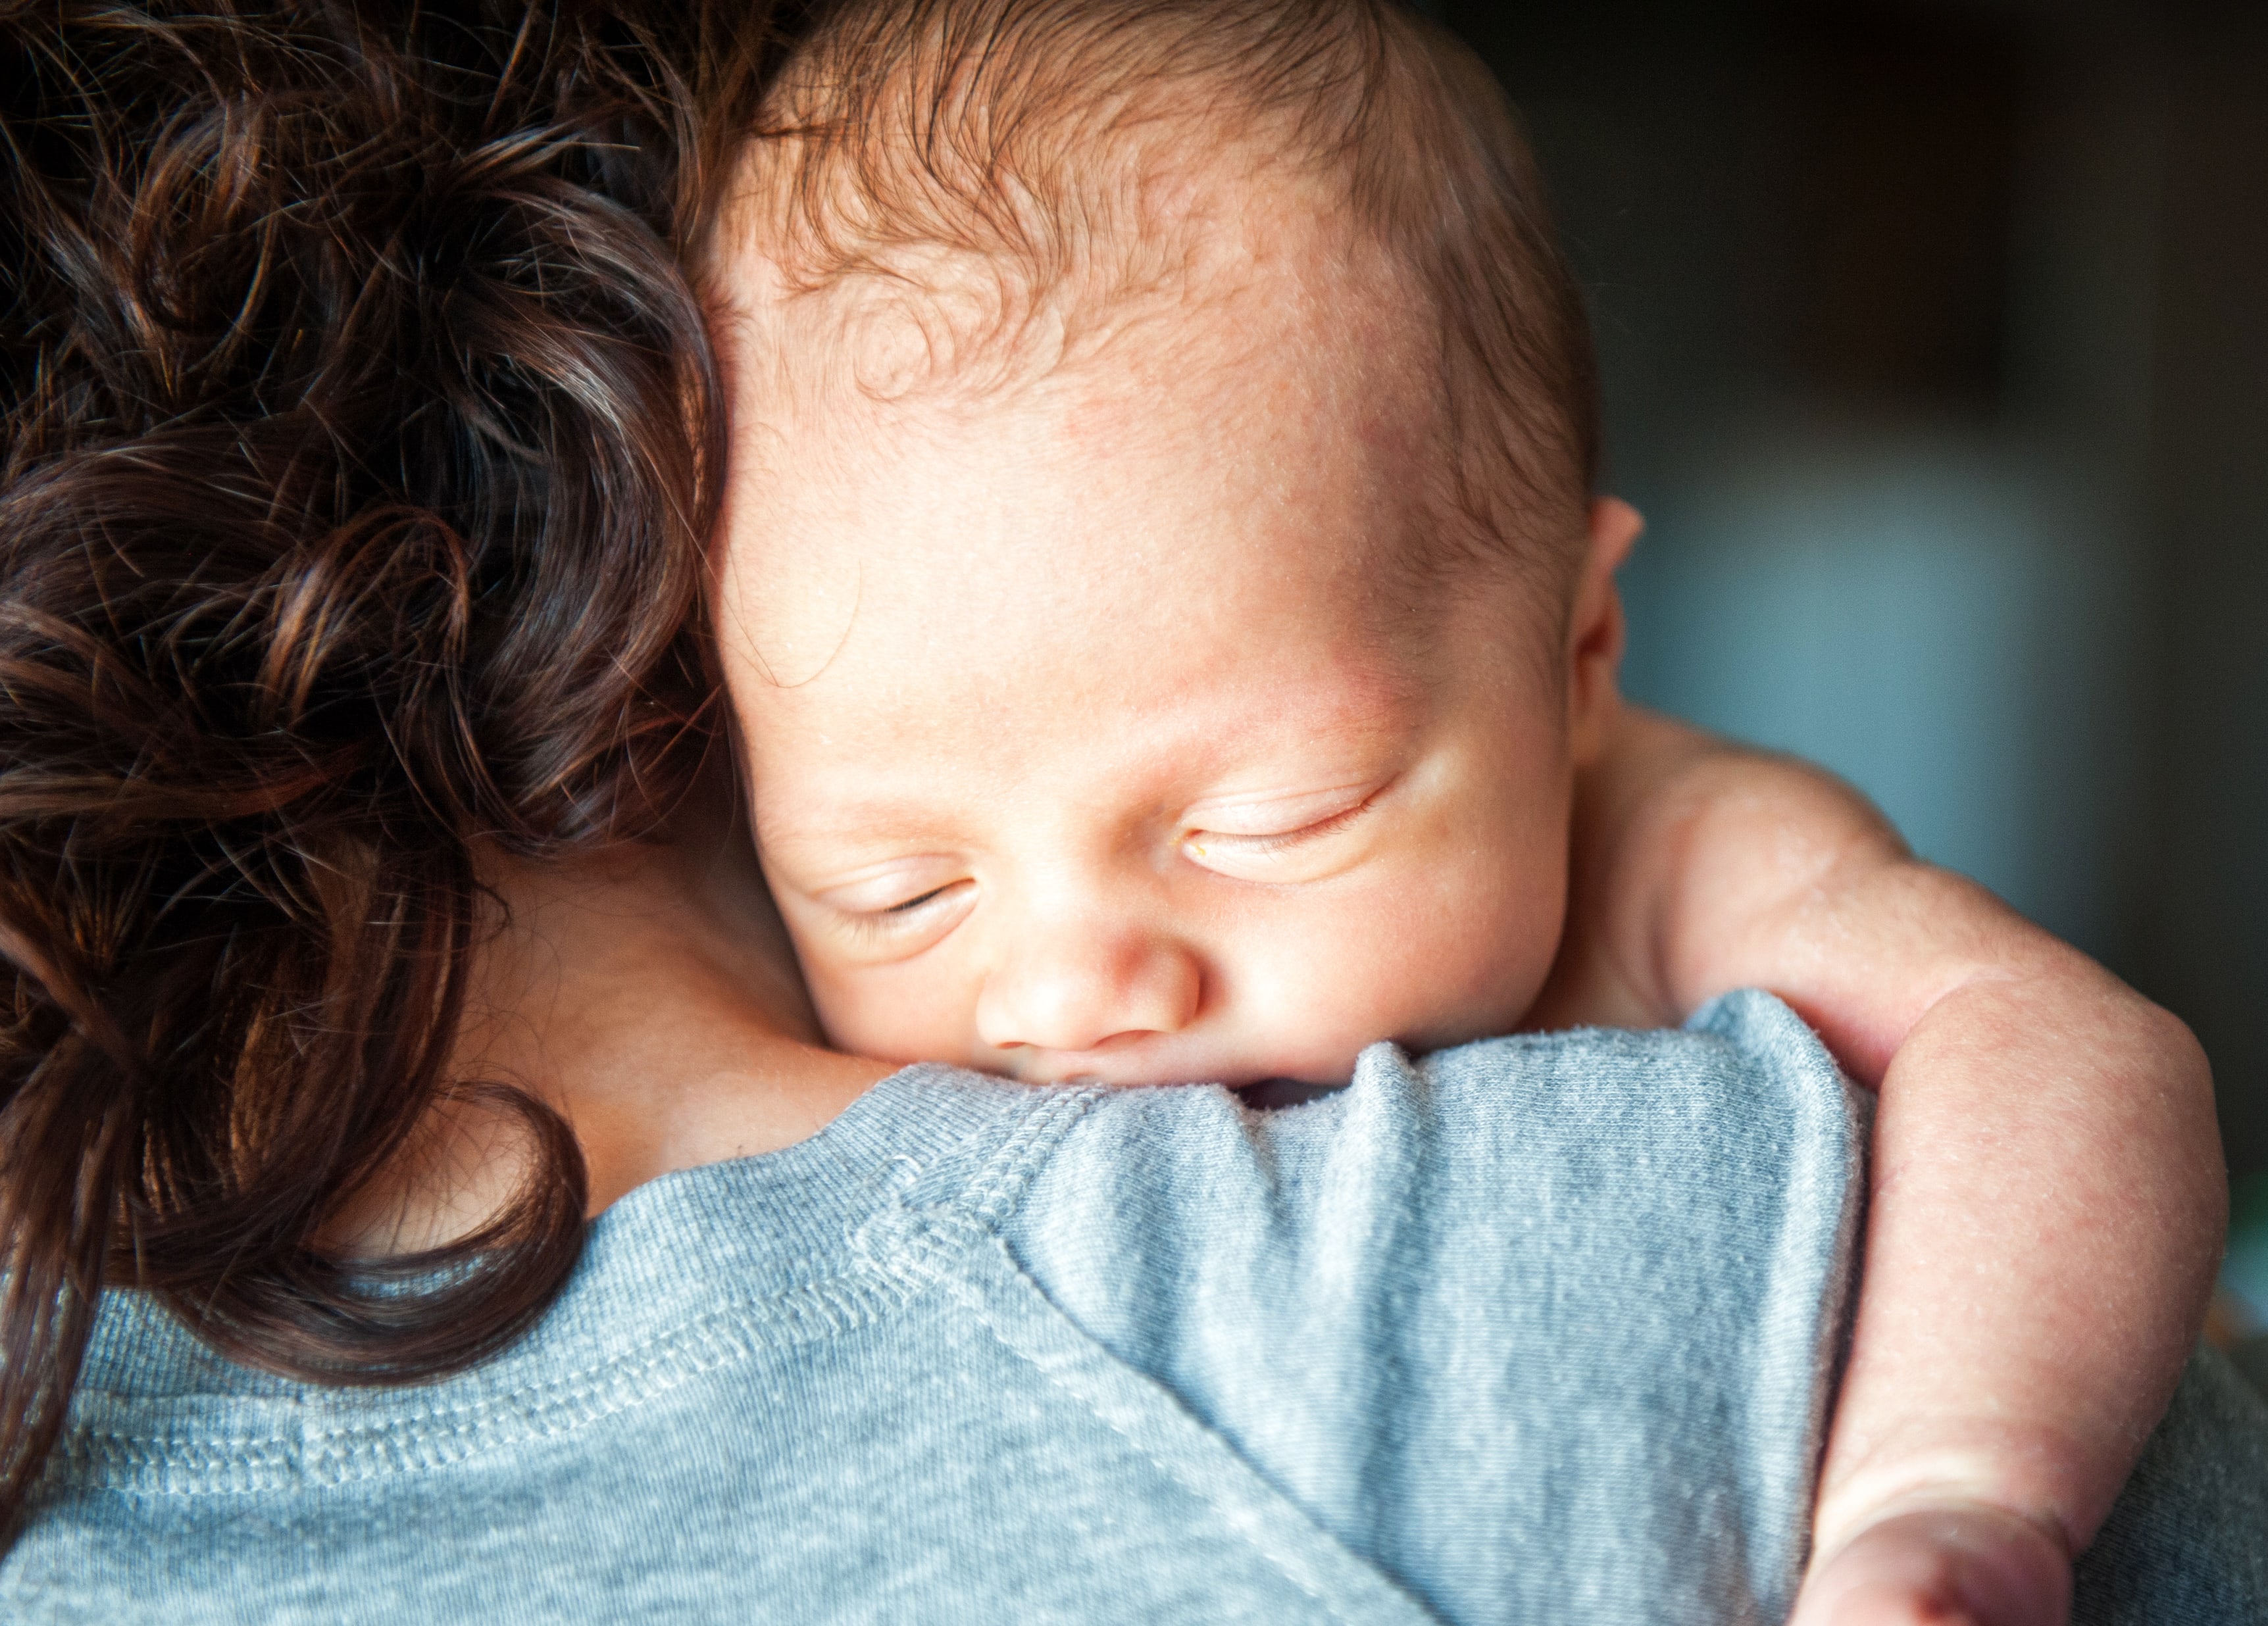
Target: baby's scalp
962,194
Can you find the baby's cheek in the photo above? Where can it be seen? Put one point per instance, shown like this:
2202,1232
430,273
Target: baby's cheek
892,1013
1304,997
1466,954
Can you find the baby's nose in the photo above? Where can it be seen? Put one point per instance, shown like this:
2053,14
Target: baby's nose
1080,989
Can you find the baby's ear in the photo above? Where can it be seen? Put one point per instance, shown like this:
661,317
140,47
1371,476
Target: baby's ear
1594,626
1615,527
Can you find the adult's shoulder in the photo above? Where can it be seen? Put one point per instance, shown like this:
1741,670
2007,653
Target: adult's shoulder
1588,1287
1522,1154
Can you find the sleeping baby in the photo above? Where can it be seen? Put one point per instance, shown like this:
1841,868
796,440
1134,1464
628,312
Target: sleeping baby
1173,636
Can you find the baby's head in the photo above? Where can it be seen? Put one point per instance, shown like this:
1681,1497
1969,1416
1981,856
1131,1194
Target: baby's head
1162,599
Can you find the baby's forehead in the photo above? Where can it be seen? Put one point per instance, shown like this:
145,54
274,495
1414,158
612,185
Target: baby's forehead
1276,410
1177,507
1261,443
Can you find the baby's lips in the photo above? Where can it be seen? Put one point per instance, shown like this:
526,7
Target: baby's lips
1966,1566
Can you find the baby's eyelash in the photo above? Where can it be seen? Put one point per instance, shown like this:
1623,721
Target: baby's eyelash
867,924
1278,842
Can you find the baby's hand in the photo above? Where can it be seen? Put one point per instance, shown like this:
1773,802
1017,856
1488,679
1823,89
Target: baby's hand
1954,1564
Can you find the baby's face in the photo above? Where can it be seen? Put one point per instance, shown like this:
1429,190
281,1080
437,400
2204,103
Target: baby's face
1085,736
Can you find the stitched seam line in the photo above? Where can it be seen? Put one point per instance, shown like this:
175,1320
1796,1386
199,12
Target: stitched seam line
118,1459
993,1192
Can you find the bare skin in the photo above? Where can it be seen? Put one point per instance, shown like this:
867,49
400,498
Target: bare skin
649,993
646,993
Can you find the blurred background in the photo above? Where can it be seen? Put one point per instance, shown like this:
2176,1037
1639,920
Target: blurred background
1935,340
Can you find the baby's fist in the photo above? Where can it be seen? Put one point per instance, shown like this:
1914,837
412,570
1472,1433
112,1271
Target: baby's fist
1960,1565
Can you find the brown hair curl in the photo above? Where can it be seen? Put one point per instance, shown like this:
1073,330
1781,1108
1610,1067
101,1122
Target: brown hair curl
359,443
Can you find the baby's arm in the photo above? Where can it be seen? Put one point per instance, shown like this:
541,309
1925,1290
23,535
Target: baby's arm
2047,1195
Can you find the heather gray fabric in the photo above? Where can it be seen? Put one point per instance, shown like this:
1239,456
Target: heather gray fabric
2189,1540
1536,1330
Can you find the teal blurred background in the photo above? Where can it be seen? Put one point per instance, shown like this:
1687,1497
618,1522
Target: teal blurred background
1935,338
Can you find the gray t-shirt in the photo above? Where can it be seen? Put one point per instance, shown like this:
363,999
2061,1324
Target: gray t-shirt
1541,1329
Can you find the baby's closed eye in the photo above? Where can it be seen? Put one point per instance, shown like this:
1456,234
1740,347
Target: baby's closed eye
897,908
1279,840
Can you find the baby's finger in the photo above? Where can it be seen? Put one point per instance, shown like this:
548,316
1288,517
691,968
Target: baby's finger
1941,1566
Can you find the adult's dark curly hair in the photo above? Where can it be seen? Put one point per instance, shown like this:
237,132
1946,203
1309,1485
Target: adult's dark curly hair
360,444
